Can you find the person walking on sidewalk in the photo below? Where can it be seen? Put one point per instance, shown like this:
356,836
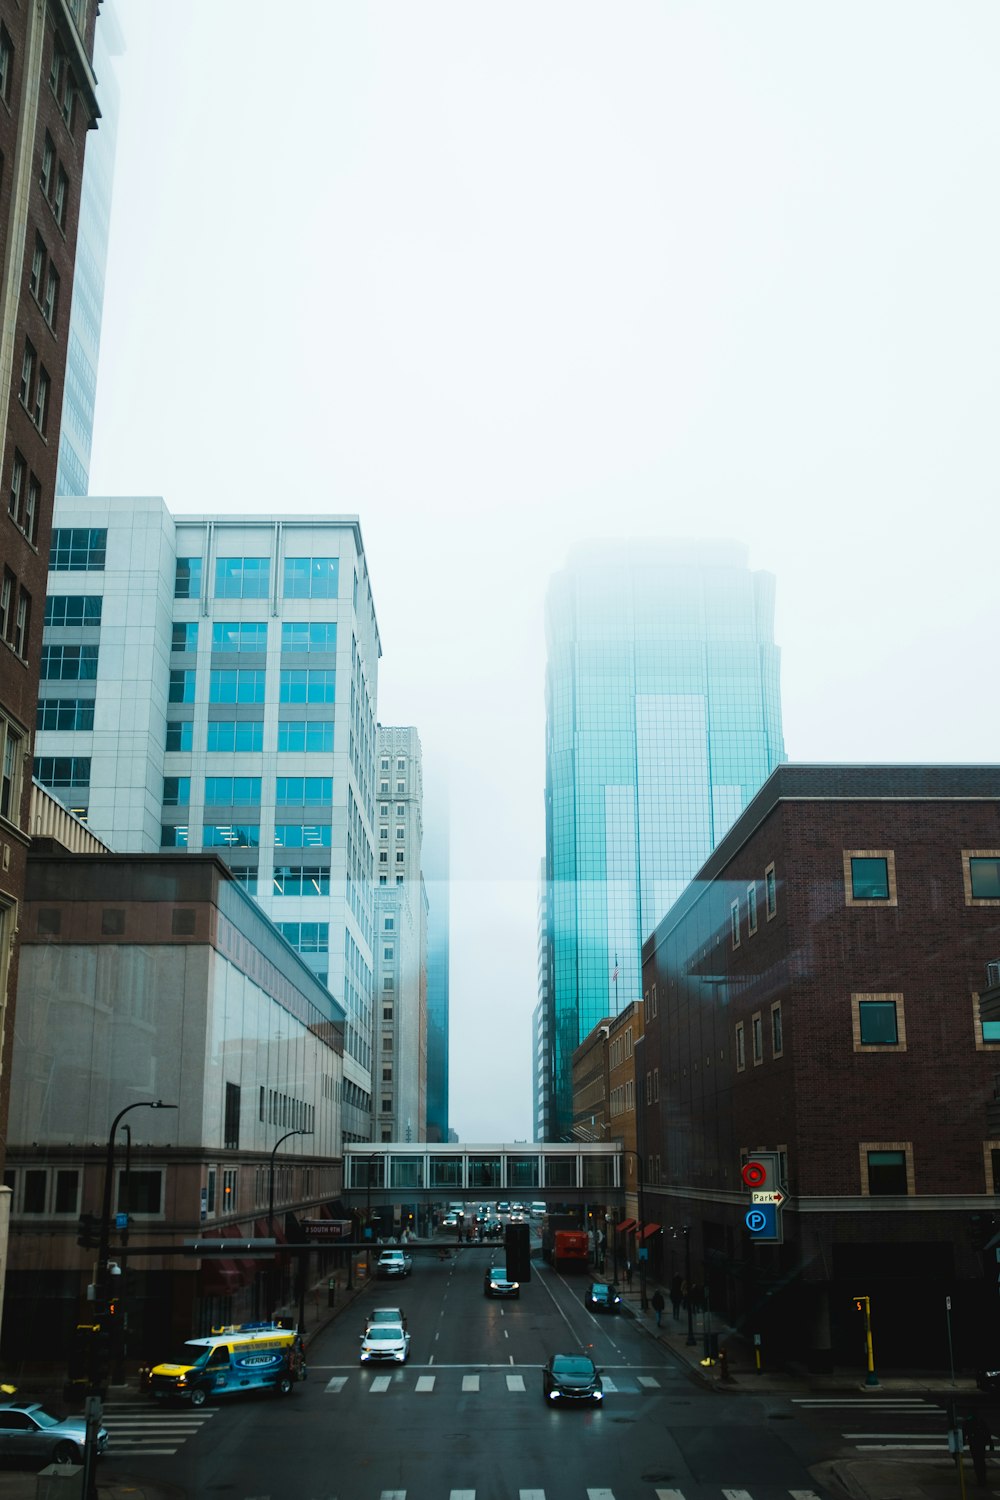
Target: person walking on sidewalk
676,1296
628,1274
658,1306
978,1437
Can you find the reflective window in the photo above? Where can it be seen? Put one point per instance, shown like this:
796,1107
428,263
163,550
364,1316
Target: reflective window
305,734
232,791
308,687
235,734
311,577
78,550
303,835
187,578
316,635
231,836
238,686
242,577
303,790
73,609
239,635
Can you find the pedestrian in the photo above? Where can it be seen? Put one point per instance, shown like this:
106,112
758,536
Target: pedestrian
676,1296
658,1306
979,1438
628,1274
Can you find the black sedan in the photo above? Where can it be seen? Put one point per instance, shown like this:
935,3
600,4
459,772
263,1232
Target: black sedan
568,1379
496,1283
602,1297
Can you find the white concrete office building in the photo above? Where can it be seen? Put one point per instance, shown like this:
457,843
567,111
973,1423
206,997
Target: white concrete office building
400,1086
210,683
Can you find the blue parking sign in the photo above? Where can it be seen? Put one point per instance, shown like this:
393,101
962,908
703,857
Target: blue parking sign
763,1222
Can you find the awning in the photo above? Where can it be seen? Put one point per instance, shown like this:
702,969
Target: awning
649,1229
625,1224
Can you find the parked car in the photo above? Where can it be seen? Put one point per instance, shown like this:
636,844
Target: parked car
496,1283
385,1315
393,1263
386,1343
600,1297
539,1210
30,1431
570,1378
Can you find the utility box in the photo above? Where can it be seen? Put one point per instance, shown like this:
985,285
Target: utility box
58,1481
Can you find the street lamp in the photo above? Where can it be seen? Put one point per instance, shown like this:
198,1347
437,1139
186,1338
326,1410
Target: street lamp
93,1403
270,1226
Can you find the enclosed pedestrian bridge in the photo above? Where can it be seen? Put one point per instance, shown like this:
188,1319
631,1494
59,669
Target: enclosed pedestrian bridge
418,1172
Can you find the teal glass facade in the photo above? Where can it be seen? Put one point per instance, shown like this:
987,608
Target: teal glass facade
663,718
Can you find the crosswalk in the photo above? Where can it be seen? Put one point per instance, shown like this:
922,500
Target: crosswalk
453,1381
593,1493
143,1431
892,1425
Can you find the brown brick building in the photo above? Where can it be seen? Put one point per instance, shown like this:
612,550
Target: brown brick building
48,104
814,993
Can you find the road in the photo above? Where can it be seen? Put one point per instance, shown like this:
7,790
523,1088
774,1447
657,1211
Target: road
465,1418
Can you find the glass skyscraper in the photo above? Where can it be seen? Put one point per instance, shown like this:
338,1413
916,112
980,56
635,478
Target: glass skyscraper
663,718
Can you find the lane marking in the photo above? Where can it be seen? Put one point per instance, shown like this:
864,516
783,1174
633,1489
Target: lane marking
651,1383
425,1382
515,1382
600,1495
669,1494
470,1382
609,1385
336,1385
392,1495
531,1495
461,1495
737,1494
380,1383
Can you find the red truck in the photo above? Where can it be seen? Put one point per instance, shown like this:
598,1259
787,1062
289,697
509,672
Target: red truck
565,1245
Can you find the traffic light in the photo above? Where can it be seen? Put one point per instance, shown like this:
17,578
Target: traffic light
517,1248
89,1232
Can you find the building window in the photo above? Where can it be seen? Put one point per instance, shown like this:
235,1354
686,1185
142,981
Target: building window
66,713
60,198
303,686
870,877
78,550
303,791
388,924
27,382
40,413
383,833
981,872
301,880
383,858
140,1191
401,833
230,1181
758,1039
231,1126
239,635
986,1033
6,64
315,635
22,625
67,1190
777,1038
50,297
235,734
734,923
388,953
63,772
69,663
752,908
306,937
656,1085
242,577
176,791
187,578
887,1170
305,735
25,497
232,791
180,732
311,577
73,609
401,764
231,836
238,686
173,836
400,856
47,169
184,636
180,688
303,836
34,1189
741,1051
385,763
770,893
11,761
878,1023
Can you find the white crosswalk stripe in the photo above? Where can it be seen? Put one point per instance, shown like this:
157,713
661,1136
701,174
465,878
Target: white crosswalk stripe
425,1382
597,1493
154,1431
650,1382
470,1382
514,1383
669,1495
336,1384
380,1383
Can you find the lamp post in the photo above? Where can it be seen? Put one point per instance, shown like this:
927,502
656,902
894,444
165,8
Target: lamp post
93,1402
627,1151
270,1220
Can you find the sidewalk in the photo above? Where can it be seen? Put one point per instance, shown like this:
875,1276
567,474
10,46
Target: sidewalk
860,1477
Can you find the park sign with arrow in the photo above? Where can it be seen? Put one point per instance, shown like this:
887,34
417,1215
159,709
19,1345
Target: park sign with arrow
763,1219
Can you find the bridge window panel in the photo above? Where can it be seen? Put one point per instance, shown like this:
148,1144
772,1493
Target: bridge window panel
368,1171
597,1171
484,1172
407,1172
446,1172
522,1172
560,1171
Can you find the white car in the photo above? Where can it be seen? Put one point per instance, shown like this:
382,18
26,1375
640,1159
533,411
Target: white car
386,1343
393,1263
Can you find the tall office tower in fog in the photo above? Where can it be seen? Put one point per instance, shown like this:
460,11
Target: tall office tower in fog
437,878
663,717
542,1091
210,682
87,310
400,1085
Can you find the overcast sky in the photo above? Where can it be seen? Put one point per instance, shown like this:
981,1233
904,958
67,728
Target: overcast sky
498,277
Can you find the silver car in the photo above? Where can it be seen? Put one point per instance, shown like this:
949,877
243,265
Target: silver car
30,1431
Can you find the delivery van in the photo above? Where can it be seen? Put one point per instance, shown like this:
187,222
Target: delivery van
241,1357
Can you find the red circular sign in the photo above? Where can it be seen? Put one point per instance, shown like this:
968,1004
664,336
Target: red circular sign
754,1174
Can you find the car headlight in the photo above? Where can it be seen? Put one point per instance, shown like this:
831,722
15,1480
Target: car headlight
991,1374
364,1354
516,1285
598,1395
554,1395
